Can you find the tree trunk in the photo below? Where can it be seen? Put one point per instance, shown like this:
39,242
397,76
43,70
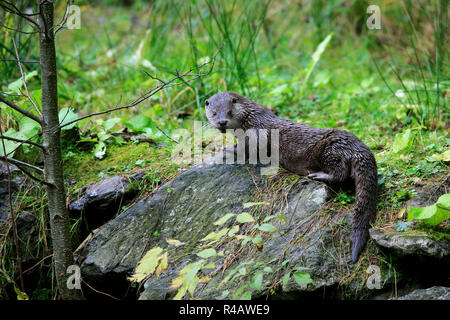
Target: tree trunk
53,169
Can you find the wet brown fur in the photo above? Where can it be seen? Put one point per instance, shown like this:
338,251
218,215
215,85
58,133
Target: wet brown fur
329,155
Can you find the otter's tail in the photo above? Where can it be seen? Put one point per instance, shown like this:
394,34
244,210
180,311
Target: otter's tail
365,172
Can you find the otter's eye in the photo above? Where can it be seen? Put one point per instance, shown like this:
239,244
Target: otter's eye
214,114
234,100
230,113
207,102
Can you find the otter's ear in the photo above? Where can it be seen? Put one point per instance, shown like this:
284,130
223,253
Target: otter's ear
233,100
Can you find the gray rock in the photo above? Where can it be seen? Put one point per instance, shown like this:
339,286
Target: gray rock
4,170
433,293
429,194
185,209
410,243
100,201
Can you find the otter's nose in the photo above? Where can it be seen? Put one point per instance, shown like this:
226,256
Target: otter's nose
223,123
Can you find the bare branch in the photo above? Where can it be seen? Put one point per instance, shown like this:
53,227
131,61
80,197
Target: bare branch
23,77
14,10
64,19
19,109
17,30
164,84
23,141
26,172
23,61
21,163
166,134
12,94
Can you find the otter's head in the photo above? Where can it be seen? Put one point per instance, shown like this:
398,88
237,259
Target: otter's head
224,110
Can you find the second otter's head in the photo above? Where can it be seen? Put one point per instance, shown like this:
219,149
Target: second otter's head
224,110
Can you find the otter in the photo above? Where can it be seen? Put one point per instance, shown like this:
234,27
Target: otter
329,155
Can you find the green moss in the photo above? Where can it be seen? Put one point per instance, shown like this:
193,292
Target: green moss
435,233
84,168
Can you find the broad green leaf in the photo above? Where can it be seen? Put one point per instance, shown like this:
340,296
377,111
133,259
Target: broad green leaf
285,279
180,294
147,265
267,219
267,227
10,146
302,278
110,123
257,281
163,264
224,219
139,123
401,141
258,241
173,242
99,150
216,235
268,270
16,86
191,279
246,240
28,128
244,217
66,115
434,214
207,253
444,201
103,136
233,230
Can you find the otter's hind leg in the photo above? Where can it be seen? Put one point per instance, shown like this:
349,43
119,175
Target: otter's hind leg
337,170
320,176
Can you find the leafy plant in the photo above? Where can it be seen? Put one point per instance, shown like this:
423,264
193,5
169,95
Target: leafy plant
434,214
156,260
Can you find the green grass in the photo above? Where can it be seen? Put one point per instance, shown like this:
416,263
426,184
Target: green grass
83,168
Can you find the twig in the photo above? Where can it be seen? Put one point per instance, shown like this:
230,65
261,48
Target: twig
19,109
148,94
166,134
23,141
64,19
23,61
23,77
104,293
17,30
19,13
21,163
27,173
37,263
